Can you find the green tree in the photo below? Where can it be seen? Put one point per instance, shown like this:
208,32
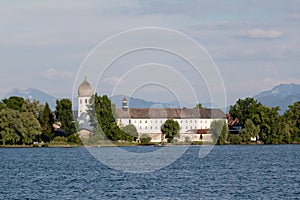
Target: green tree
249,131
10,126
106,119
145,139
292,118
246,109
31,128
170,129
224,134
131,131
46,120
64,114
32,106
199,105
74,139
234,139
15,103
218,131
263,117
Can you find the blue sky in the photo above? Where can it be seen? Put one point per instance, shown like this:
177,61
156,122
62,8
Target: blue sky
254,43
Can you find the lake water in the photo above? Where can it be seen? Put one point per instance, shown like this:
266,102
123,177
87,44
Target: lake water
227,172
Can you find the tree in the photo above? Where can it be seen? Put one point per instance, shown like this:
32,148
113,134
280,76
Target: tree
14,102
131,131
105,114
246,109
64,114
145,139
10,126
292,118
264,118
199,105
31,128
170,129
249,131
224,134
46,120
218,131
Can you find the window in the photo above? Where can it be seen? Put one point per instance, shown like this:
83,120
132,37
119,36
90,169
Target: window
186,127
130,121
145,121
140,121
141,128
195,121
191,121
151,127
146,127
80,101
85,100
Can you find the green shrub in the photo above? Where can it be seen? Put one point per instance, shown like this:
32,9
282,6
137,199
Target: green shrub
145,139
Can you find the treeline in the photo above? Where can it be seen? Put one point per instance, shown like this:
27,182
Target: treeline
265,123
23,122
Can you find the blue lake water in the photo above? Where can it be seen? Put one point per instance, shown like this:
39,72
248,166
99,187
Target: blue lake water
227,172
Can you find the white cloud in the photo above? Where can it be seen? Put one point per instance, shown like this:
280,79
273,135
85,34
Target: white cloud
54,74
262,33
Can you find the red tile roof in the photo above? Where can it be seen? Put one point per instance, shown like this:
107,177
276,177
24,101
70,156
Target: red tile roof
174,113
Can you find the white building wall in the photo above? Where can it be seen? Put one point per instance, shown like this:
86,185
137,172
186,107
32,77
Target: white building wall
153,125
83,103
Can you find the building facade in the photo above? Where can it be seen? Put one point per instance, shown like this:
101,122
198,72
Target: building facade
85,93
194,122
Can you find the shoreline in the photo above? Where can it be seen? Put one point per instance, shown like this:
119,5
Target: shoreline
124,145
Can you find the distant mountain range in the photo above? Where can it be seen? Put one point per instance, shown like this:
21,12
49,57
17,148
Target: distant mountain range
35,94
141,103
281,95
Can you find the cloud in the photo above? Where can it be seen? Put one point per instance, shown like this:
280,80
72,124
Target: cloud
262,33
54,74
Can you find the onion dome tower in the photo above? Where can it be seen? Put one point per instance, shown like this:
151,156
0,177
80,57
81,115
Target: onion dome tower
85,92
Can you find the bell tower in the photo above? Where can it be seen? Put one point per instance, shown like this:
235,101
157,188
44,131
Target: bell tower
85,92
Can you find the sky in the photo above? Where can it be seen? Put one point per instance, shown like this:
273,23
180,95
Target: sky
48,45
